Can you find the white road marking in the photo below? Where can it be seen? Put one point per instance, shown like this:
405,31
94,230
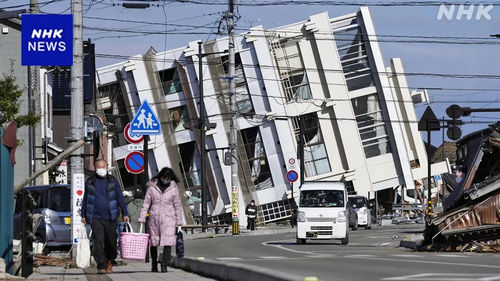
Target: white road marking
433,262
228,259
272,257
407,256
278,246
445,277
451,255
360,256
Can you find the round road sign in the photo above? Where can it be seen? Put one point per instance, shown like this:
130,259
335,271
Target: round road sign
291,161
131,137
292,176
134,162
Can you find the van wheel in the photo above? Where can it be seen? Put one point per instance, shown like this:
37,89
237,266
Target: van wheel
301,241
345,241
368,227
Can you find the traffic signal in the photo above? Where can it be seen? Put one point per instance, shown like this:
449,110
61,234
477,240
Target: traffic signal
454,112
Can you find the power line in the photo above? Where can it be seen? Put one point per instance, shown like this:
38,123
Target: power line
336,3
417,40
485,38
390,74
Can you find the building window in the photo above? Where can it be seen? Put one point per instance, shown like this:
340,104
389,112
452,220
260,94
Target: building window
315,157
243,101
371,125
354,59
291,69
116,113
191,162
256,154
179,116
170,81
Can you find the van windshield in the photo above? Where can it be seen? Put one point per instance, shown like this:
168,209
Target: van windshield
322,198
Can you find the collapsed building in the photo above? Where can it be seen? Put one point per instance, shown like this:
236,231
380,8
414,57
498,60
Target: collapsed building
471,210
358,114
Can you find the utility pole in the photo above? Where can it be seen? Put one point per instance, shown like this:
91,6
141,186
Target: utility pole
233,138
33,97
77,173
203,125
204,199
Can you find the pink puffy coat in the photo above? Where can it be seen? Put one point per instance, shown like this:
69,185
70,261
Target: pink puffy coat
165,213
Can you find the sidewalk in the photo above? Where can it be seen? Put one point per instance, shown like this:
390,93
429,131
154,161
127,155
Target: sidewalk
134,270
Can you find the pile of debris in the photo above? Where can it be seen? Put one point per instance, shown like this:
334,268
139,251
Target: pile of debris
41,260
492,246
472,209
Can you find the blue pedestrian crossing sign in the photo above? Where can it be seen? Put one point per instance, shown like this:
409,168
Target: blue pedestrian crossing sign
145,121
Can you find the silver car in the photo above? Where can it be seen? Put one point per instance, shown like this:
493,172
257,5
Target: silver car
53,202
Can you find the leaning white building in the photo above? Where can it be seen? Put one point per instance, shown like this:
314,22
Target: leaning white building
358,114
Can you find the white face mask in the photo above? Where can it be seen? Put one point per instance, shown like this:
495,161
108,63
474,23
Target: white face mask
101,172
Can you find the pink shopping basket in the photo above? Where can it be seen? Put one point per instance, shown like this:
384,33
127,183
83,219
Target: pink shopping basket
134,245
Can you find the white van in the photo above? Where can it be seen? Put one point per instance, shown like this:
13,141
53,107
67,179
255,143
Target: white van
322,212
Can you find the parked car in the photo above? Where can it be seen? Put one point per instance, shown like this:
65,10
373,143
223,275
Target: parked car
352,216
362,209
53,202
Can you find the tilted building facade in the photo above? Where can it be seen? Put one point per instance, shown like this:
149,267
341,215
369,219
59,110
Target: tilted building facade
357,113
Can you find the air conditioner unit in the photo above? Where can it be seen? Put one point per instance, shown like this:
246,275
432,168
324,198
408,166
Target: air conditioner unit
420,96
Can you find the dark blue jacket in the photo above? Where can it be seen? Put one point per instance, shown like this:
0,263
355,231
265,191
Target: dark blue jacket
114,196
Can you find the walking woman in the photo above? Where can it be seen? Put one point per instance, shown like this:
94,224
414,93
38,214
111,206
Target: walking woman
163,203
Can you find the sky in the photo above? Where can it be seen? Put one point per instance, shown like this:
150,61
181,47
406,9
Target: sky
436,56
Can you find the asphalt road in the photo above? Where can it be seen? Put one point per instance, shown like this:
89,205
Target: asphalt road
370,255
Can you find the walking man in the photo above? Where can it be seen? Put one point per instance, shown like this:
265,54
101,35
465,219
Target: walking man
251,212
101,206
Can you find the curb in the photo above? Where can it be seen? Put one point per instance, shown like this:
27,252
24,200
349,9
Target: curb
228,272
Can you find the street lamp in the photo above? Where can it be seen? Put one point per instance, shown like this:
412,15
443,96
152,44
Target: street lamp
203,129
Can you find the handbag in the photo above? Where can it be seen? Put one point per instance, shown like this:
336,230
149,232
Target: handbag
83,250
179,245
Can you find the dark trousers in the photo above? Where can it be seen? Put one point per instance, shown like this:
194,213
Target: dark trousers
165,257
251,223
104,241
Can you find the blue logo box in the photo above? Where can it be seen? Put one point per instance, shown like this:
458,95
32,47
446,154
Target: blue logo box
47,40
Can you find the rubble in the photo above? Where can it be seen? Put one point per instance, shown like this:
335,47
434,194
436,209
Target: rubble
472,210
41,260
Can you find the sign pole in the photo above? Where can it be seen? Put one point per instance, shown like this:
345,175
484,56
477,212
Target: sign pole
145,175
429,191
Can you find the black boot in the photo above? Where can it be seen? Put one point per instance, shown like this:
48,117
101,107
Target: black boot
165,258
164,267
154,267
